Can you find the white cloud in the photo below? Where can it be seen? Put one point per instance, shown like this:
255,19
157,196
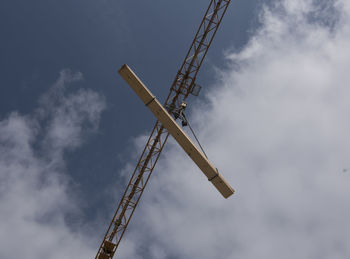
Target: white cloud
34,187
276,125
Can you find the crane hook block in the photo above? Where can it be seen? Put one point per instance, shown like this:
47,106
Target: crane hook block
175,130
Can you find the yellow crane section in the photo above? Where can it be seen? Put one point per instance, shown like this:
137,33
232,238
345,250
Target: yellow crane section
182,86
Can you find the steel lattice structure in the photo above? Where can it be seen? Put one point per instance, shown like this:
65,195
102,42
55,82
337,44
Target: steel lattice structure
182,86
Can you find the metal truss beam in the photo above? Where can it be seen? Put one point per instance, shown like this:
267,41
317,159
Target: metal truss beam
179,91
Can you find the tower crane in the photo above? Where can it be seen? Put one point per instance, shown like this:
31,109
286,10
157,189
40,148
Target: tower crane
182,86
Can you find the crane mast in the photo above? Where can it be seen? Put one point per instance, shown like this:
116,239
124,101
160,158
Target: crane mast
183,85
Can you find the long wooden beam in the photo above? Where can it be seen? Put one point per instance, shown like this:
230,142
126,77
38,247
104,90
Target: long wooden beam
175,130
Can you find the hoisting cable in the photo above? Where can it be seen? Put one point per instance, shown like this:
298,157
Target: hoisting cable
189,125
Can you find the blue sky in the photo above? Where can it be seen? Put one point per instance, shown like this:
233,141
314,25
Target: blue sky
272,116
41,38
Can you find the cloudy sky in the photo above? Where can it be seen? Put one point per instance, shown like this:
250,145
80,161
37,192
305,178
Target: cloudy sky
272,117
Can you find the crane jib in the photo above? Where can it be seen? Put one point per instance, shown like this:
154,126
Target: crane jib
182,86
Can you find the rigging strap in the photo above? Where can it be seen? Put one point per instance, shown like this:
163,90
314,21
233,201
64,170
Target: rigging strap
189,125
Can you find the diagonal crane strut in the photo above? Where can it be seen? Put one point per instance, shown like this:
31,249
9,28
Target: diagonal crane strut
182,86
